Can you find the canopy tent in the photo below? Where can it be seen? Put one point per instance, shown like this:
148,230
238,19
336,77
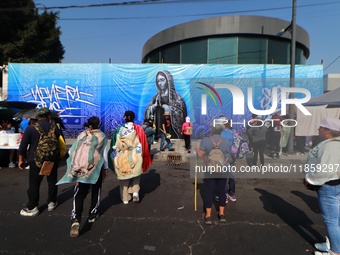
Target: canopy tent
331,99
326,105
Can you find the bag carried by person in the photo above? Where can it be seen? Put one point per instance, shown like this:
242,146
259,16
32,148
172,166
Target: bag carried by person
216,156
48,148
188,130
62,146
128,158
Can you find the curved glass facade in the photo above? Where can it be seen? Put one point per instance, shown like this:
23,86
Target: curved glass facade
227,50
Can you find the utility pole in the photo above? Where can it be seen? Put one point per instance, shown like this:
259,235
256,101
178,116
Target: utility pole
292,76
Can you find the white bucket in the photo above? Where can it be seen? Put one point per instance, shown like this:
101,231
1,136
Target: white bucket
13,139
3,139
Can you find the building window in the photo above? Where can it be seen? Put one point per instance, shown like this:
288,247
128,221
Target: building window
170,54
300,57
153,57
278,52
194,52
252,50
222,51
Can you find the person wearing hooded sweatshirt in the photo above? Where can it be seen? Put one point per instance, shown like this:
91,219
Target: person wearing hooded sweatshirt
167,100
129,157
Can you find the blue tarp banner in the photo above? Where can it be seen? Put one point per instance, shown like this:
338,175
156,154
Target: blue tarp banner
79,91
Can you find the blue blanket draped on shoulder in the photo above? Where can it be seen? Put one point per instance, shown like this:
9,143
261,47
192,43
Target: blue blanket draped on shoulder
85,161
144,144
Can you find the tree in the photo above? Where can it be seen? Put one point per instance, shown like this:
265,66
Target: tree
27,36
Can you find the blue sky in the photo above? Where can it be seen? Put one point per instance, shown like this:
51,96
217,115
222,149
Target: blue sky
122,35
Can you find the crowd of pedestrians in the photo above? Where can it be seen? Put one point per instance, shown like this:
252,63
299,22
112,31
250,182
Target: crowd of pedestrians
129,157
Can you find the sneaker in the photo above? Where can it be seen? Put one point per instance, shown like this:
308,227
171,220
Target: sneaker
207,220
162,149
324,253
232,198
222,218
135,197
74,232
154,142
125,202
51,206
323,246
11,165
92,217
217,199
27,212
172,149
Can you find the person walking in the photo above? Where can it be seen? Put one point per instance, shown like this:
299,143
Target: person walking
258,135
165,132
87,166
323,176
275,135
129,157
187,129
30,139
219,180
149,132
229,134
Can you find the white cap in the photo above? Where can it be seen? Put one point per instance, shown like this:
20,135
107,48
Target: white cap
330,123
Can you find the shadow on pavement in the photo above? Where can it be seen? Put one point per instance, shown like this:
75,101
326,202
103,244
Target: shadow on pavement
291,215
311,201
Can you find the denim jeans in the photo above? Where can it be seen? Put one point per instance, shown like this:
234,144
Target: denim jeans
329,202
163,139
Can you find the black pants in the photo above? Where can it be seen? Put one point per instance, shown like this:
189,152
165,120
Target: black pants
258,148
187,141
300,143
210,185
34,181
275,142
80,192
231,185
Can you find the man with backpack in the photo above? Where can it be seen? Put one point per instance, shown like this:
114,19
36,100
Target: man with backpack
41,141
215,150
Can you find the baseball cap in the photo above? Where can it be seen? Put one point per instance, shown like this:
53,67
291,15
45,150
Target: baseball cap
42,111
330,123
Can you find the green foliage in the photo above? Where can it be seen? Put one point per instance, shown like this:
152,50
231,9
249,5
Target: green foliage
28,36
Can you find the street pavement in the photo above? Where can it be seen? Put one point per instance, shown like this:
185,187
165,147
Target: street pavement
272,215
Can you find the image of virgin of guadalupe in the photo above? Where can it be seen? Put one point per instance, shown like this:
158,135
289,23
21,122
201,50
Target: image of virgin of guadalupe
167,100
